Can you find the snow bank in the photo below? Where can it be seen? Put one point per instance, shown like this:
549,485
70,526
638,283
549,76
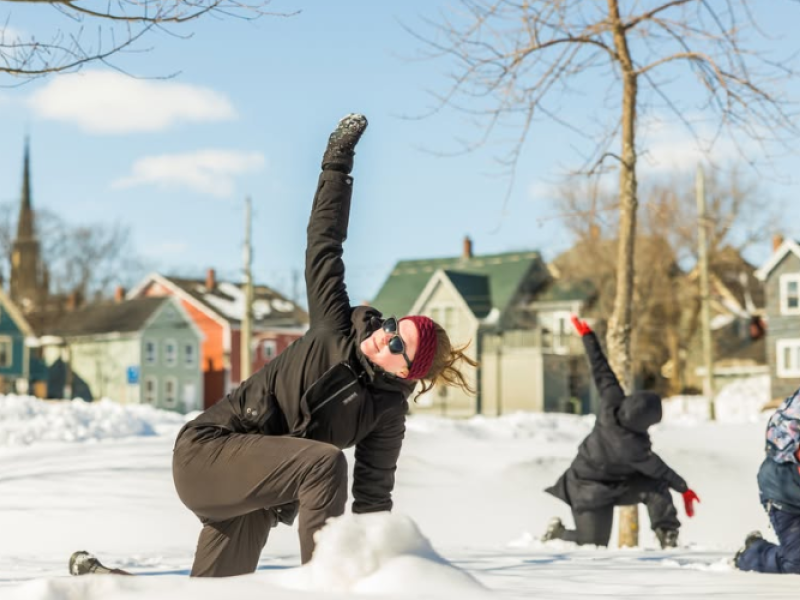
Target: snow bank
377,553
537,427
26,420
738,402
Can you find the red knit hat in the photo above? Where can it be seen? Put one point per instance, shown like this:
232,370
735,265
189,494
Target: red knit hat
426,348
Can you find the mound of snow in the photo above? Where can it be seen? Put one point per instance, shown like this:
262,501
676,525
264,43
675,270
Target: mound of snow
740,401
377,553
26,420
537,427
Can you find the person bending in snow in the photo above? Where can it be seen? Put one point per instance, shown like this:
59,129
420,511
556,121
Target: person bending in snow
779,491
616,465
272,448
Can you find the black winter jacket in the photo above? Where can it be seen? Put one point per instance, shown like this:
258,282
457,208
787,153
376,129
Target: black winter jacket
322,387
618,448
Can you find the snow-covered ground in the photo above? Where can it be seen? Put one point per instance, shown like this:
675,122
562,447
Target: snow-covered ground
469,511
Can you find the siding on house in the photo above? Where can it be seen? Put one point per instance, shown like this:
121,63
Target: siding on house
175,376
782,328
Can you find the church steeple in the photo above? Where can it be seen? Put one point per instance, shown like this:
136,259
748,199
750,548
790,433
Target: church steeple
26,282
25,223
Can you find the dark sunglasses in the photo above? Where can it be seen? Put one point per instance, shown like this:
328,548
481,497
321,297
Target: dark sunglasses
396,343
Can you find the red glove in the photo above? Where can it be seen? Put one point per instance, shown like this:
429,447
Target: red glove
580,326
688,497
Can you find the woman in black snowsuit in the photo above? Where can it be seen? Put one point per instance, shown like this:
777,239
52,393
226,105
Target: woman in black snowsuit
616,465
271,450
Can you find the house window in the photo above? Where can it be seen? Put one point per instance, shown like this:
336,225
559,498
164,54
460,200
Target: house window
189,397
149,353
189,355
269,349
787,355
170,392
170,353
790,294
150,390
6,352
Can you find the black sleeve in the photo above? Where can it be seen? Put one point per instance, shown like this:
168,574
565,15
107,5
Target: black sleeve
376,462
654,467
611,392
328,301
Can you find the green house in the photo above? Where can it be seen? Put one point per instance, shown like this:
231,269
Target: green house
489,303
20,369
140,351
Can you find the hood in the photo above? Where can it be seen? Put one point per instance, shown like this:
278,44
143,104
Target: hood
639,411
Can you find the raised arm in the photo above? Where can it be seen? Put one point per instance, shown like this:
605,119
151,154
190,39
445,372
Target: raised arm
611,392
328,302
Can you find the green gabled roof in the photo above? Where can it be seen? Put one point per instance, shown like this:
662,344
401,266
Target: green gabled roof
566,291
405,283
474,289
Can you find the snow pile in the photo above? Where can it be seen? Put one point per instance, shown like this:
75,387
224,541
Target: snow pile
740,401
536,427
377,553
26,420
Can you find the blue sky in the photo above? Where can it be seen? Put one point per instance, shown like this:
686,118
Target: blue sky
249,113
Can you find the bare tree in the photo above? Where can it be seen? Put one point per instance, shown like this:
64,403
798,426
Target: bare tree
96,32
88,259
515,61
665,303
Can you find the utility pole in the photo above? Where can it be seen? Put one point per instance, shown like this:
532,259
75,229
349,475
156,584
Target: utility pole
705,297
245,354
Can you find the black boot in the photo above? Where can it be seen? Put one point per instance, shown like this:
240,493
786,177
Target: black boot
555,530
83,563
751,538
668,538
342,143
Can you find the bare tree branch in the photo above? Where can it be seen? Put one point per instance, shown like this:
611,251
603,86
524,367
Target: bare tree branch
118,26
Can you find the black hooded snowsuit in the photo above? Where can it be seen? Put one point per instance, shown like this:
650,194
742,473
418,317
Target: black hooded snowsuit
615,464
273,445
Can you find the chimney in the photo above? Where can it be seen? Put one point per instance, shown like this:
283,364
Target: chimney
777,240
119,294
72,301
211,279
467,250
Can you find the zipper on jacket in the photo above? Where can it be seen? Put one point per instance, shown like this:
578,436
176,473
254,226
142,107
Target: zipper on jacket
332,396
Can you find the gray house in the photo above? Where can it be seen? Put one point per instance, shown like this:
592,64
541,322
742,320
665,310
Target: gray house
141,351
781,276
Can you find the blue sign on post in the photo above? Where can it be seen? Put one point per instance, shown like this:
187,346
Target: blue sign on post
133,375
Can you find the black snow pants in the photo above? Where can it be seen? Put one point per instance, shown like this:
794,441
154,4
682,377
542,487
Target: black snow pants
233,483
594,526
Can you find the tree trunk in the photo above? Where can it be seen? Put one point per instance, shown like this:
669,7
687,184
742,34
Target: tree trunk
619,330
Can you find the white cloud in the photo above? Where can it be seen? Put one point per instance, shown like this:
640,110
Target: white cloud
109,102
669,146
205,171
10,35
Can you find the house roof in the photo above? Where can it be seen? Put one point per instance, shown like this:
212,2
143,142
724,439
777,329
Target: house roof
15,314
561,290
503,272
225,301
474,289
787,246
107,317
